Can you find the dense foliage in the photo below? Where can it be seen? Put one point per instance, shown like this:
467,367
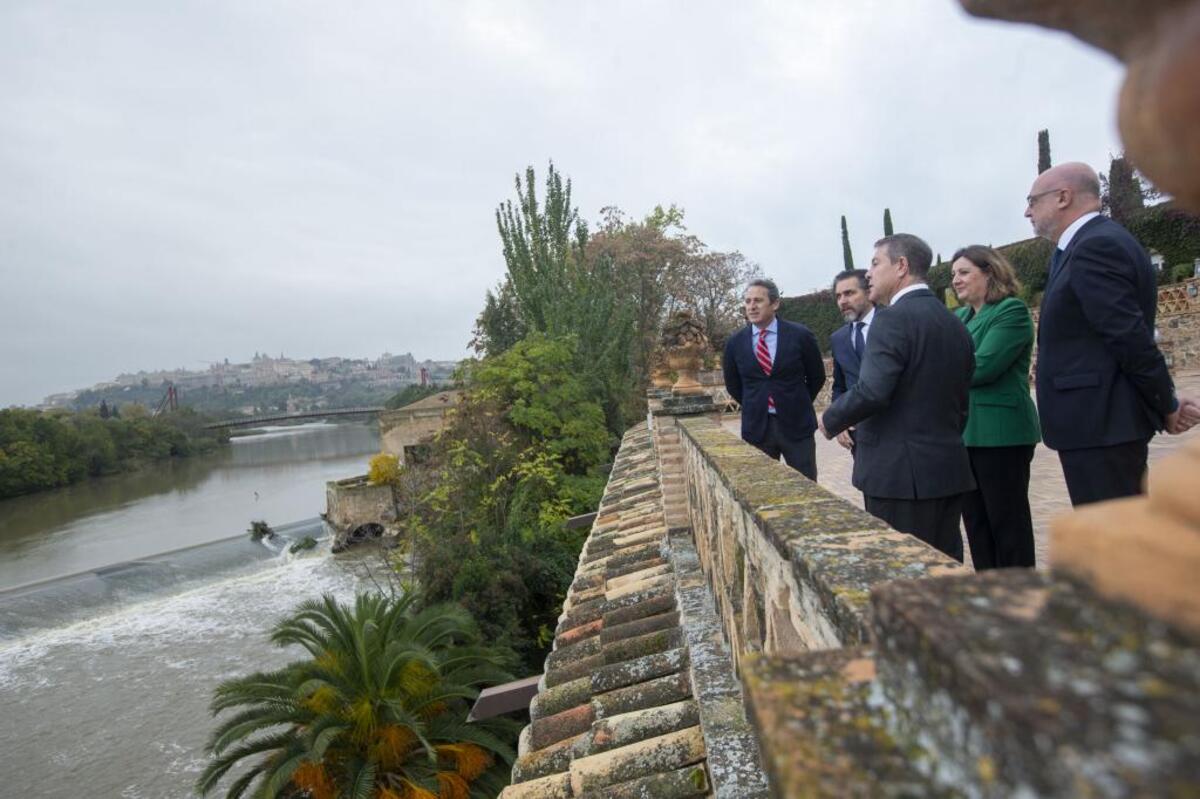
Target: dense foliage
377,709
410,394
1162,228
41,450
818,311
520,456
1170,231
611,289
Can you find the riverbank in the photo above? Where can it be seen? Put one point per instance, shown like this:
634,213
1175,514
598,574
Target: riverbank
278,475
44,450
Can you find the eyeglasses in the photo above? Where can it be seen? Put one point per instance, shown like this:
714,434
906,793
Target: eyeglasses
1033,198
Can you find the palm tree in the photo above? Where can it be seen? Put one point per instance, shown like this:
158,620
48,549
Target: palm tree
377,710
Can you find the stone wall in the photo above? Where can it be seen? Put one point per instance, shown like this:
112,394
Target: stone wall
1179,324
353,502
415,425
872,665
791,564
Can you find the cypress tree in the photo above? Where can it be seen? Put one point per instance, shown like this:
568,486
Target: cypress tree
887,222
1122,190
847,256
1043,151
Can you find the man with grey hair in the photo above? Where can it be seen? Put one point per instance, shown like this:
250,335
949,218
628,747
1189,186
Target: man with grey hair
774,368
909,406
1103,388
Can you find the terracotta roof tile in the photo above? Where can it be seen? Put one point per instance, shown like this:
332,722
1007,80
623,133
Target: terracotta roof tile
615,717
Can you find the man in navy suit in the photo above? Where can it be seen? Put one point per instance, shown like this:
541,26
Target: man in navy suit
848,343
910,401
1103,388
774,369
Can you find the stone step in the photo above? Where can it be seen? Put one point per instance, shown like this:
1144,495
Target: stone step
832,738
1029,684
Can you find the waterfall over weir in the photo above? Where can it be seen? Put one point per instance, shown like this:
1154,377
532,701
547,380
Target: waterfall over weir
106,676
64,600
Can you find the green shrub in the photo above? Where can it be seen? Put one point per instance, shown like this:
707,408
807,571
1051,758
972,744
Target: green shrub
817,311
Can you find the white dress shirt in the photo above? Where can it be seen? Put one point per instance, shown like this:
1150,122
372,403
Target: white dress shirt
907,290
1065,239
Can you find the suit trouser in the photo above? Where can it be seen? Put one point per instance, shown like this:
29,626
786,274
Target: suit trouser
1099,473
996,514
799,453
934,521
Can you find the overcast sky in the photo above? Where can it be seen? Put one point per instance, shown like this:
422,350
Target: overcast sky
184,182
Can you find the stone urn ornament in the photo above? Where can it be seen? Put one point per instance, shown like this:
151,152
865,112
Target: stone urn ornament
660,374
685,344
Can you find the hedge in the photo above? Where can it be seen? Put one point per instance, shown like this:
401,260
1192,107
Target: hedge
1162,227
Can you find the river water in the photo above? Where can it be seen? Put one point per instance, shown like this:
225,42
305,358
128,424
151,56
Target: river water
125,601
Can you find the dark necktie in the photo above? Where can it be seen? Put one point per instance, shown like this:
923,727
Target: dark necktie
1056,262
859,343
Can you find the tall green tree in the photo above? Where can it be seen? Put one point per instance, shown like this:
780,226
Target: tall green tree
377,709
558,290
887,222
847,255
499,325
1121,193
1043,151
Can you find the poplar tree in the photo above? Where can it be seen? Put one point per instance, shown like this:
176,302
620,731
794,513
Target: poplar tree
847,256
887,222
1043,151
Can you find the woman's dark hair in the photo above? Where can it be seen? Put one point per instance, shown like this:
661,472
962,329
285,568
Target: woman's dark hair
1002,278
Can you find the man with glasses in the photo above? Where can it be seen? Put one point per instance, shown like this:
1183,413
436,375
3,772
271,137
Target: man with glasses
1103,388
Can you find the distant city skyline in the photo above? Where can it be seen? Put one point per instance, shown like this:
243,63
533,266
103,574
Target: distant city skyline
205,376
196,181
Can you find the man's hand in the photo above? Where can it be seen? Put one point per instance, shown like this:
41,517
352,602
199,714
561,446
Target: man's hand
821,427
1185,417
843,438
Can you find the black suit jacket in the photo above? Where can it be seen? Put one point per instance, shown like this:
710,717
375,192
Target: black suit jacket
1101,379
909,406
846,363
796,376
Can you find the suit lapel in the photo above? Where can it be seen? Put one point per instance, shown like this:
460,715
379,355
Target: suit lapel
1067,253
849,328
780,339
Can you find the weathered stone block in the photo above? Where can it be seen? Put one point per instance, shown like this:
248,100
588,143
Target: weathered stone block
1024,683
828,735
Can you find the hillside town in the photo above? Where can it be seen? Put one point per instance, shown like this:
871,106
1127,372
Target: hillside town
319,376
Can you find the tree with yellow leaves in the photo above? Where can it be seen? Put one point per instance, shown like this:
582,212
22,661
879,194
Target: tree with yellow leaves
376,711
383,469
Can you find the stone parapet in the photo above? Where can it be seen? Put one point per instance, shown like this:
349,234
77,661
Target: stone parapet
735,630
791,564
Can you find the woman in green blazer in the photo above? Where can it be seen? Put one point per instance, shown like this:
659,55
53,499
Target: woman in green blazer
1002,424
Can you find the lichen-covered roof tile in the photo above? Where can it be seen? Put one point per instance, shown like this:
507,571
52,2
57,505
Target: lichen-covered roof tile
684,783
555,786
639,696
654,756
638,725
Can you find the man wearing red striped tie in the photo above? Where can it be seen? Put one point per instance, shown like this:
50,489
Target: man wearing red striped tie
773,367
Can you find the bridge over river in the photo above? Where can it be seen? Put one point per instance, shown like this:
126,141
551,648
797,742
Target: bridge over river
251,421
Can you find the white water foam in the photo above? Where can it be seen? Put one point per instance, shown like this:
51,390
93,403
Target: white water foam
118,705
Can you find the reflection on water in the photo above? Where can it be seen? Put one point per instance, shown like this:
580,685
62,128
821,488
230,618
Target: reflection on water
278,476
